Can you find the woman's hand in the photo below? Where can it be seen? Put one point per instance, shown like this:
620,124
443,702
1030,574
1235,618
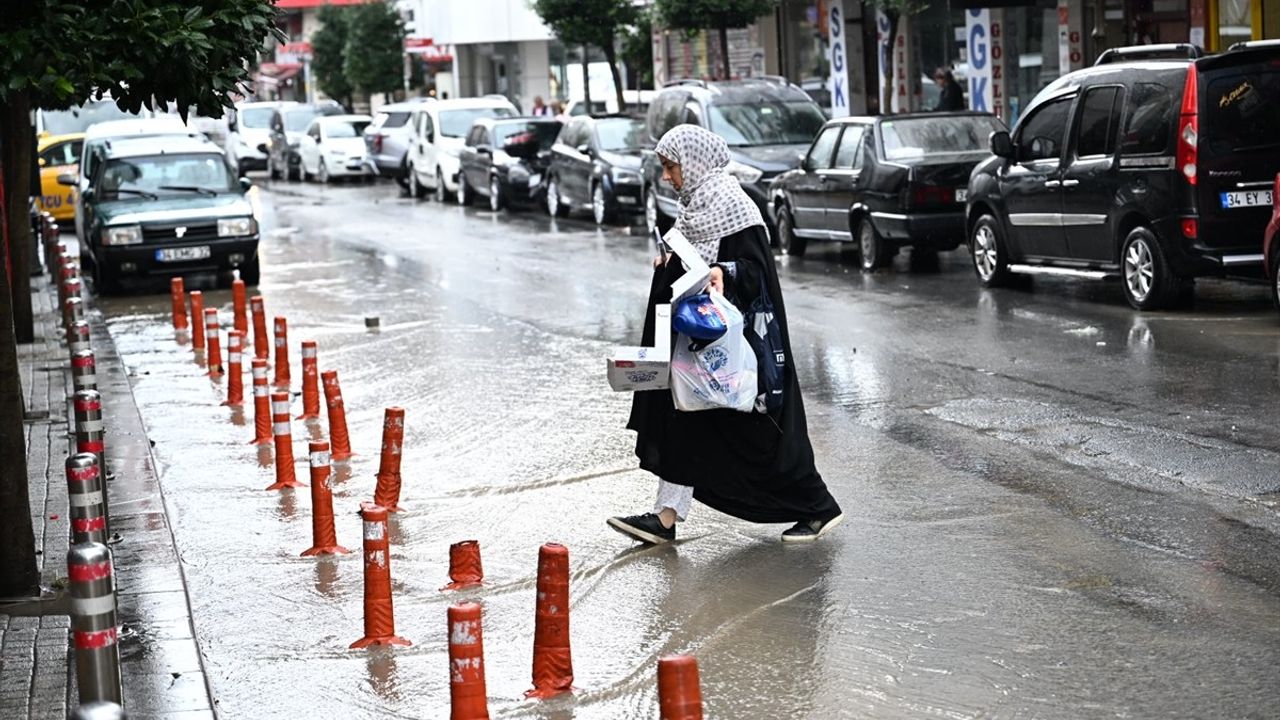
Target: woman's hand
717,280
659,261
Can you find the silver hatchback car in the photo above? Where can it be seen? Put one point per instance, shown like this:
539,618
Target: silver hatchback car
387,139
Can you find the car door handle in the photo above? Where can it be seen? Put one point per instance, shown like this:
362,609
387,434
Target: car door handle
1070,183
1052,184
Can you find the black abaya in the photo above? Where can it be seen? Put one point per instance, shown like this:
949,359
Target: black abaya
754,466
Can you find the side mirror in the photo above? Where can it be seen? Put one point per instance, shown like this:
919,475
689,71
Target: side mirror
262,148
68,179
1001,144
584,148
245,184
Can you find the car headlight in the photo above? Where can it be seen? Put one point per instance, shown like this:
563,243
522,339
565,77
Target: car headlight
122,235
744,174
626,177
237,227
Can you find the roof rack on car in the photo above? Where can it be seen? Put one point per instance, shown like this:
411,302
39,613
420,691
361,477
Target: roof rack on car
1248,44
685,81
1163,51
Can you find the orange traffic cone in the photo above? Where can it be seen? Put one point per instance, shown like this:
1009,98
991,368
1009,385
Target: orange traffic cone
552,660
337,415
197,324
212,341
468,698
387,492
235,368
261,346
465,569
679,694
285,477
178,293
310,382
261,403
239,320
379,617
282,353
324,539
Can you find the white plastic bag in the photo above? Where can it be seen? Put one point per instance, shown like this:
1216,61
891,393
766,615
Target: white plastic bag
720,375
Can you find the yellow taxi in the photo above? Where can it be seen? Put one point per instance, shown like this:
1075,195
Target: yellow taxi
58,154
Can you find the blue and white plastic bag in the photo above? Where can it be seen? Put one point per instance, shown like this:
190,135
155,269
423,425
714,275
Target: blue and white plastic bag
718,375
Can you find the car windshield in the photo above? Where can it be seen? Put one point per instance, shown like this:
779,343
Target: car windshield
166,175
456,123
298,120
345,129
919,137
518,133
619,133
78,119
1243,111
259,117
766,123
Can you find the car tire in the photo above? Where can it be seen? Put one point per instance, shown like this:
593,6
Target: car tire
496,201
989,252
272,171
555,208
788,242
1149,282
402,176
600,210
251,272
873,253
441,192
415,189
291,173
654,219
463,196
322,173
102,284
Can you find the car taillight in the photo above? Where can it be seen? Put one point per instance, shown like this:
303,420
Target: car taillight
930,195
1189,127
377,143
1190,228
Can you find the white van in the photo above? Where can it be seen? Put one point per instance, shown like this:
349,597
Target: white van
440,129
248,126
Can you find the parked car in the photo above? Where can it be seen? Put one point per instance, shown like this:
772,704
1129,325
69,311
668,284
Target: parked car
504,160
164,206
78,119
1156,170
595,163
289,124
637,104
248,130
333,147
387,138
886,183
98,135
439,133
1271,244
768,123
58,155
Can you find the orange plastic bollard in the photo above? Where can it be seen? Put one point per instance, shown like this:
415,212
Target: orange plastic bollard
282,352
178,293
465,569
679,693
285,477
467,695
387,492
240,320
261,403
552,660
324,538
310,382
197,327
235,368
261,346
212,341
379,617
337,415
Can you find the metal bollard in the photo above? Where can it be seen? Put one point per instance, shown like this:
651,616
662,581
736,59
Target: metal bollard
84,371
78,337
66,271
90,433
93,623
73,307
87,499
100,711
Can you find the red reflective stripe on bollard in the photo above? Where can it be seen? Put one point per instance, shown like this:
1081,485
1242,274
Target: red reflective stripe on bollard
88,573
87,405
93,640
89,525
90,446
83,474
82,362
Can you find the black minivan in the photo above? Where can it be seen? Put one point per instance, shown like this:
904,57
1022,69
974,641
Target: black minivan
1155,165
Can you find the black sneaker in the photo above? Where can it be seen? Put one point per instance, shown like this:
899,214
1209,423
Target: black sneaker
810,530
646,528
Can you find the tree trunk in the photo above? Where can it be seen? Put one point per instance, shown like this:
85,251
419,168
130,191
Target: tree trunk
890,87
586,78
724,53
15,128
19,576
611,55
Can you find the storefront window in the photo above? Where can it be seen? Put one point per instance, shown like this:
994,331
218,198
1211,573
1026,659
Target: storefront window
1235,22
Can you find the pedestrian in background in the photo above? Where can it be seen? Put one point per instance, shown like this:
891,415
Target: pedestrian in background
952,96
755,466
539,108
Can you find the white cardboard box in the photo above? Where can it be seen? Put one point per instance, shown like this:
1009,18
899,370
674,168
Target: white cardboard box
697,274
640,368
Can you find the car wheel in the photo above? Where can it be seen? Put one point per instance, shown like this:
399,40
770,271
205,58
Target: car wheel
103,284
987,249
291,173
463,196
251,272
555,208
415,188
1148,281
322,174
402,178
787,240
272,171
871,247
442,192
496,201
600,205
654,219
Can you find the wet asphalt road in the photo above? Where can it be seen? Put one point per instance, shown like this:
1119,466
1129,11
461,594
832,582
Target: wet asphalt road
1056,507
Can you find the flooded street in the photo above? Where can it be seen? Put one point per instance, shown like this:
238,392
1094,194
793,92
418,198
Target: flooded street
1055,506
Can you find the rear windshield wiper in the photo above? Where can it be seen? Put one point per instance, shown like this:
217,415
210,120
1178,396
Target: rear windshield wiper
189,188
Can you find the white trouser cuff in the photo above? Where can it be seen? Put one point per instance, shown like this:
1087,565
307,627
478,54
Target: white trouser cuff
676,497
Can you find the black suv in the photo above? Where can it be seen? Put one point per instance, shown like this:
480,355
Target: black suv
768,123
1155,165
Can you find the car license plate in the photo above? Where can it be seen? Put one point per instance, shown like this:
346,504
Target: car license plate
180,254
962,194
1245,198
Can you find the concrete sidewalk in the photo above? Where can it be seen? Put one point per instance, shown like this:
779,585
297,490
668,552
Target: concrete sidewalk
160,658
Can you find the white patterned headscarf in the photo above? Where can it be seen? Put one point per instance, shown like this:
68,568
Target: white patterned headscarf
712,203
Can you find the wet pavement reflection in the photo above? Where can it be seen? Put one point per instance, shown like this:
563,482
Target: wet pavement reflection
1056,507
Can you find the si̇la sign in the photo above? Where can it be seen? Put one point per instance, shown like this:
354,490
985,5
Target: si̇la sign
838,81
984,41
